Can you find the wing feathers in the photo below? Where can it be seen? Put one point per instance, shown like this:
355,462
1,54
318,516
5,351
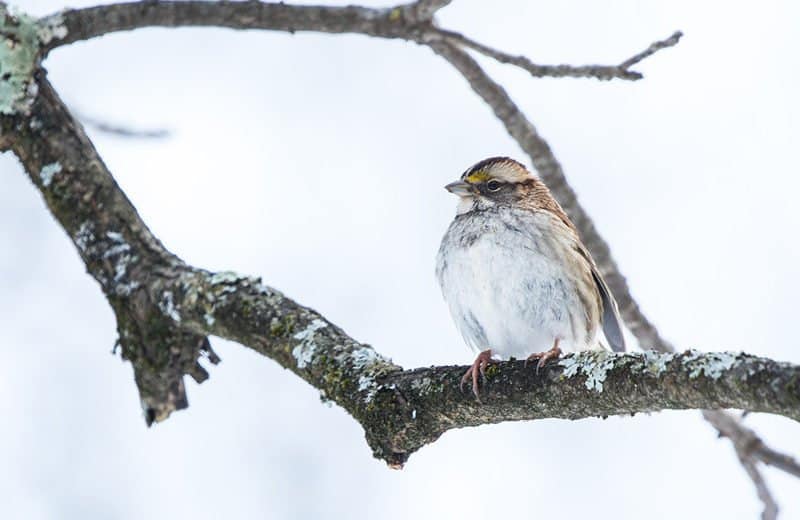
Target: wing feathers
611,320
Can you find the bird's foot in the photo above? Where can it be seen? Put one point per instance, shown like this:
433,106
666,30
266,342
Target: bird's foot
545,356
477,368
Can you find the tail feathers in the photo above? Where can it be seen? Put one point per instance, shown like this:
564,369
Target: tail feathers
611,321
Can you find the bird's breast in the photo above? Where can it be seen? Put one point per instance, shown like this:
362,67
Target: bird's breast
510,285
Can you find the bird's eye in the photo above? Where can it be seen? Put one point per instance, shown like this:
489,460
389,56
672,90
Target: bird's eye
494,185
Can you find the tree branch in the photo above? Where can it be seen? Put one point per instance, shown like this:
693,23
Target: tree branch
84,24
120,130
601,72
770,506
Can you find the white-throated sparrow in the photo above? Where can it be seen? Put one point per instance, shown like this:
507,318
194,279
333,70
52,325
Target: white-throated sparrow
517,279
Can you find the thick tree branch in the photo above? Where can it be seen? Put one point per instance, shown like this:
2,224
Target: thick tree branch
84,24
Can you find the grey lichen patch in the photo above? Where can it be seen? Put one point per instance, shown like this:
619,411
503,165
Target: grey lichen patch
168,307
370,365
209,318
119,246
50,28
594,364
47,173
21,37
111,250
655,362
365,383
214,291
194,295
304,352
229,282
366,356
422,385
85,236
119,253
226,278
712,364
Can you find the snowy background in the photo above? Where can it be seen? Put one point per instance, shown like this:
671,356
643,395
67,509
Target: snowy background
317,162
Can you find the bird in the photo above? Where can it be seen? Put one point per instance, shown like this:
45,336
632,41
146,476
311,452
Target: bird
515,275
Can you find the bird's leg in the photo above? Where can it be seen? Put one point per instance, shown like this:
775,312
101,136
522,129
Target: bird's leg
545,356
478,367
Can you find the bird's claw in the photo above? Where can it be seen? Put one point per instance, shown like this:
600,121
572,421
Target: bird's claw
544,357
478,367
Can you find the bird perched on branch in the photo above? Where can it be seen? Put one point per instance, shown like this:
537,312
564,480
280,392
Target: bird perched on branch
517,279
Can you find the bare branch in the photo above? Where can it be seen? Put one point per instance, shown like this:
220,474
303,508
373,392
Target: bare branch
601,72
748,443
654,48
749,448
770,506
120,130
779,460
83,24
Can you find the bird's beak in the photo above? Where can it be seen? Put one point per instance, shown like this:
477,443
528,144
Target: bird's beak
460,188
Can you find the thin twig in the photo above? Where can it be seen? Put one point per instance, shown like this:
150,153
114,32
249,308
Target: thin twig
770,506
776,459
119,130
654,48
602,72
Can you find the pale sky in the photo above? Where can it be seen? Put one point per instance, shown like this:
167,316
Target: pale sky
317,162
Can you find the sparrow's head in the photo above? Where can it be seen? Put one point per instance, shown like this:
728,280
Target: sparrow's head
494,181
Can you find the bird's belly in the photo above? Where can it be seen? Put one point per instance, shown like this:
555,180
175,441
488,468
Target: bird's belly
514,299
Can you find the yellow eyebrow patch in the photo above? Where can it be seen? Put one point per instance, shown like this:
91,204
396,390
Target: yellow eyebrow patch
478,176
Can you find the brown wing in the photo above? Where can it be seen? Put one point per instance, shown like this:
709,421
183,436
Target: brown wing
612,327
